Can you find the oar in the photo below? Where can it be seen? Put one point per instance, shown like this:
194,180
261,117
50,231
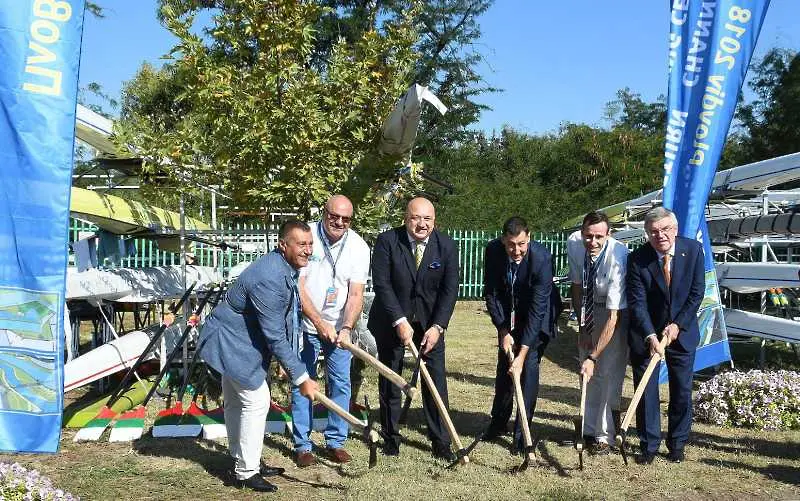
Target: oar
637,396
94,428
580,423
129,425
462,453
522,414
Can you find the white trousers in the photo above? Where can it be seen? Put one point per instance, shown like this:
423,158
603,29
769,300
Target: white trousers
604,390
245,420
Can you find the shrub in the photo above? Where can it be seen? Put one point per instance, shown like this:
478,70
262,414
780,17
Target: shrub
753,399
18,484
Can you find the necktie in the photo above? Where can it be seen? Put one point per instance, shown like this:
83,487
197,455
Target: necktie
588,295
418,252
297,313
513,267
666,269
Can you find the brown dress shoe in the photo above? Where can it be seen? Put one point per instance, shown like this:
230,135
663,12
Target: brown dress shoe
339,455
304,459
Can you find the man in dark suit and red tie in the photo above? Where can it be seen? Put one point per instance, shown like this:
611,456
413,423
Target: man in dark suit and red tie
415,278
523,305
665,286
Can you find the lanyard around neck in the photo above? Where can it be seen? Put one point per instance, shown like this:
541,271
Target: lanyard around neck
326,248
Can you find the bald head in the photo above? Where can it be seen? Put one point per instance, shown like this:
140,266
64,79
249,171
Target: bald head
420,218
338,213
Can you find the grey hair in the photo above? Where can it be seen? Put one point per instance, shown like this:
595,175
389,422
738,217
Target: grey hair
657,214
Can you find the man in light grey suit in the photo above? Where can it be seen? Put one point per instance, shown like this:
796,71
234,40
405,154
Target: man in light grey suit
259,317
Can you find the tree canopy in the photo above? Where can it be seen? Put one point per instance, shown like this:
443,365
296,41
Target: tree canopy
241,104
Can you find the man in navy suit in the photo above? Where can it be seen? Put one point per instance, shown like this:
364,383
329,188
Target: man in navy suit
665,286
415,277
518,284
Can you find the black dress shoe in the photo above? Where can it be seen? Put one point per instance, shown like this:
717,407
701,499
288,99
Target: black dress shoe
271,471
257,483
646,458
442,451
675,456
391,448
492,434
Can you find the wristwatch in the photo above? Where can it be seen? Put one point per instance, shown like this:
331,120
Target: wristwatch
590,357
439,328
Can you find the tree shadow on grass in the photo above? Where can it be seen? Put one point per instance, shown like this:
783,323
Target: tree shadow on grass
211,456
471,378
747,445
778,472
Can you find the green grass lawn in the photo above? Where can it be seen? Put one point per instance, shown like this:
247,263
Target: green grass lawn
722,463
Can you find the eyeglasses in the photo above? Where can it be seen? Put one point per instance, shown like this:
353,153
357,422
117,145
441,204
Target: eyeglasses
662,231
335,217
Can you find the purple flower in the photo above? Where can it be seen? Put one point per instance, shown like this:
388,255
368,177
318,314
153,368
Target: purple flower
19,483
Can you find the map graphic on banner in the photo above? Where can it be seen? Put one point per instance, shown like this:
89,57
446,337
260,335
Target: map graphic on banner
710,46
40,43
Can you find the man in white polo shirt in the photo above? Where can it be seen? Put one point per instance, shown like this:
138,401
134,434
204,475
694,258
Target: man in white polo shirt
597,267
332,295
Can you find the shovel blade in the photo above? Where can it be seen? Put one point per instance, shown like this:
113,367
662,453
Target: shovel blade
621,443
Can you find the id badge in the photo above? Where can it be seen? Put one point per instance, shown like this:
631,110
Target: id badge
330,297
513,319
583,316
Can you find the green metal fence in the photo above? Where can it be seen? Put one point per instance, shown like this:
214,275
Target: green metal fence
255,240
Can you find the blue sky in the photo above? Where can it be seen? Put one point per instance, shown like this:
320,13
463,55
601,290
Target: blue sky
558,61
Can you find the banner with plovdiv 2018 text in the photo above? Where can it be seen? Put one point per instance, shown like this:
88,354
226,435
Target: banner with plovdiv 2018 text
40,43
710,46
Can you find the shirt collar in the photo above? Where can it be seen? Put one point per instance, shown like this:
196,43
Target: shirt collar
671,253
508,258
413,240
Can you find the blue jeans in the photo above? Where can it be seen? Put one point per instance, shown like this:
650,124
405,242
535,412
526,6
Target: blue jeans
337,363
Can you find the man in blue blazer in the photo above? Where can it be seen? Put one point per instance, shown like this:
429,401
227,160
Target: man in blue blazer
415,277
665,286
523,306
259,317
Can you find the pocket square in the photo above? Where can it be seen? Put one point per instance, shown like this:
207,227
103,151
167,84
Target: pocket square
435,265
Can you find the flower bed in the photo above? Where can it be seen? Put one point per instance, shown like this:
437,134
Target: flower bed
17,484
767,400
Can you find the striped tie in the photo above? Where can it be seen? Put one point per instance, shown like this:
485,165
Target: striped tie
418,253
588,296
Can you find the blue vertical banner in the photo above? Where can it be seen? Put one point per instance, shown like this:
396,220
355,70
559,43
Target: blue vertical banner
40,43
710,46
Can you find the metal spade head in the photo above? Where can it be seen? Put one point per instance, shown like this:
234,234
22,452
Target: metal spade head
620,439
530,456
368,433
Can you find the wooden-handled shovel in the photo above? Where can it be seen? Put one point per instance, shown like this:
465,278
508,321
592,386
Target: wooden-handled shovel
463,458
414,381
523,415
370,435
382,369
637,396
580,422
